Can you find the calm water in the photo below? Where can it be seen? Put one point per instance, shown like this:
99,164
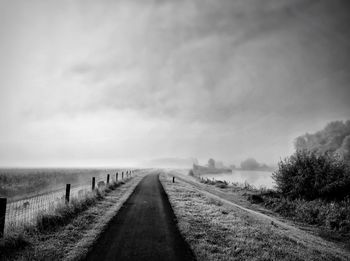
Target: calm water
255,178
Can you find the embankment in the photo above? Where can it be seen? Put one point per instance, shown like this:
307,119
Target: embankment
218,229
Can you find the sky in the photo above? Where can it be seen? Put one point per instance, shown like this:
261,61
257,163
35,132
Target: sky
110,83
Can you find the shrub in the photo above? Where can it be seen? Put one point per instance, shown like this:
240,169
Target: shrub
308,175
221,184
13,242
331,215
255,199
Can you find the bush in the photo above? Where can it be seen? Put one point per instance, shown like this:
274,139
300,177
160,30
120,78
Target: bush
308,175
331,215
255,199
10,243
221,184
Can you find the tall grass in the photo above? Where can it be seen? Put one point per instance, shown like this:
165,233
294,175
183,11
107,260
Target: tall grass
18,183
17,237
217,183
331,215
65,212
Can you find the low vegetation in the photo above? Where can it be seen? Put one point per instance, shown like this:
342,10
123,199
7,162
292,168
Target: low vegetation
18,183
309,175
20,237
217,183
64,213
329,215
218,231
312,189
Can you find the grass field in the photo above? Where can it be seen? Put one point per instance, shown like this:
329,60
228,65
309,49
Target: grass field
21,183
32,193
218,231
328,219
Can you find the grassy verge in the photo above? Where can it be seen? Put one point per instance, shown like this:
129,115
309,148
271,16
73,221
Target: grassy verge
334,216
218,231
70,231
328,219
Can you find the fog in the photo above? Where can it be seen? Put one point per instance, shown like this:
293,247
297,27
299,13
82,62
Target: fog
119,83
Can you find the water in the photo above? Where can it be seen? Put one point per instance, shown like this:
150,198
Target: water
256,178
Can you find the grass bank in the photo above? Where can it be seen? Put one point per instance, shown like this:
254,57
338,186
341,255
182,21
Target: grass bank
329,219
218,230
71,230
333,216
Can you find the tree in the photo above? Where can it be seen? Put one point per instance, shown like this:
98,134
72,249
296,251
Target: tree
211,163
250,164
334,138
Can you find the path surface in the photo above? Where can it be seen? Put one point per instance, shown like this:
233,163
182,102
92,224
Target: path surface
144,228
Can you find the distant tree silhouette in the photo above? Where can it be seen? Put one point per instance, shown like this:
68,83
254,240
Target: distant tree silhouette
250,164
334,138
211,163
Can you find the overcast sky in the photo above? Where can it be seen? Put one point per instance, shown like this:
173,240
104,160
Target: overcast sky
86,83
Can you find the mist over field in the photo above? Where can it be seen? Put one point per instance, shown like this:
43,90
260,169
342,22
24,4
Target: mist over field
121,83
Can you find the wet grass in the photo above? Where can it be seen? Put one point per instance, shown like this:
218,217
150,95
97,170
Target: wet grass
216,231
20,242
328,219
18,183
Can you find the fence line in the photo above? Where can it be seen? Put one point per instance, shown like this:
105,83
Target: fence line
25,211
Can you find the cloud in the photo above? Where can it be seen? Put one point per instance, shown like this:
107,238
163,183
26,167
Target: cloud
222,76
215,62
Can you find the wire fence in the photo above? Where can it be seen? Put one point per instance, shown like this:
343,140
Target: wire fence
26,211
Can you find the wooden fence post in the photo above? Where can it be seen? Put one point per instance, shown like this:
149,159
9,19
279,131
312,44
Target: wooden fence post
67,192
116,177
173,179
122,175
3,202
107,178
93,183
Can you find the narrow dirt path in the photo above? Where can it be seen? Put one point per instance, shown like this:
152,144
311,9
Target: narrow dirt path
144,229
